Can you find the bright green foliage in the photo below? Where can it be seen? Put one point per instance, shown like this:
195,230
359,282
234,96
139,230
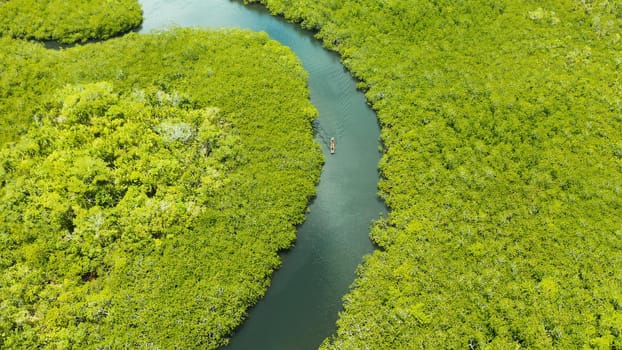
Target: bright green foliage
68,21
100,176
503,169
146,204
24,76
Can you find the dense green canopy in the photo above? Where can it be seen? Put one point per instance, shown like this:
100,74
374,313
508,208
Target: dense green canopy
68,21
156,180
503,168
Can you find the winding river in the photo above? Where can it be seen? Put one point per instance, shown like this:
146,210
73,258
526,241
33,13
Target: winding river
301,306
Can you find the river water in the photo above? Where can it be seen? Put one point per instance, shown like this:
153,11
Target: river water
301,306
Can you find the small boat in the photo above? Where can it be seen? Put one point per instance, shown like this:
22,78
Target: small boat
332,145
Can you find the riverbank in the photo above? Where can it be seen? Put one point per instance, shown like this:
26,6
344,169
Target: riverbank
332,241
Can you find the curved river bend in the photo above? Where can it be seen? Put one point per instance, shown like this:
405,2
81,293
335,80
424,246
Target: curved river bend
301,306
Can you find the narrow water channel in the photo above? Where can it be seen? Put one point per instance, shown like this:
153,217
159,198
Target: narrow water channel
302,303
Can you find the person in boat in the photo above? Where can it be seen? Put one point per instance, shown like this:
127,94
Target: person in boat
332,145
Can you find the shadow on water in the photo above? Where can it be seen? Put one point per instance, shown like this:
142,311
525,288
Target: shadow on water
57,45
301,306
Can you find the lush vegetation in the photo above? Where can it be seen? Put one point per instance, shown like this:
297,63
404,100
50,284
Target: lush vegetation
503,169
68,21
156,179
